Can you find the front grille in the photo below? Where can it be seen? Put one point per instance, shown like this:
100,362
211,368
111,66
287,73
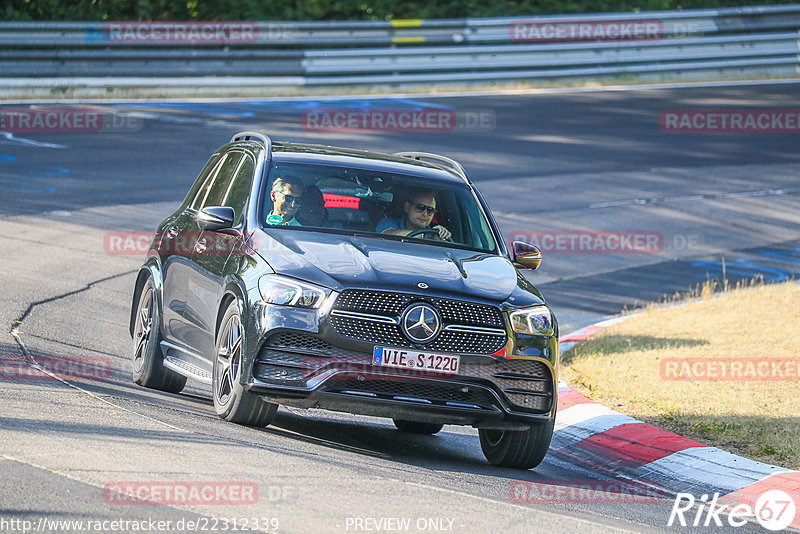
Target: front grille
391,305
467,313
377,302
377,333
438,393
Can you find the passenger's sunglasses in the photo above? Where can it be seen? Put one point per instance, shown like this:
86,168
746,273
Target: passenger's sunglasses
421,208
289,199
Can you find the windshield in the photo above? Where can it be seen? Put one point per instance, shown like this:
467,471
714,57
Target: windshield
390,205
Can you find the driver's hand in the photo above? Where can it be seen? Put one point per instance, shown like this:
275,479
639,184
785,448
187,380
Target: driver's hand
444,233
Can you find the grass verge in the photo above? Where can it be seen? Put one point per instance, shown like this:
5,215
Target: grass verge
655,367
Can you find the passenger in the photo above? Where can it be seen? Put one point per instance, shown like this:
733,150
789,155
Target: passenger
418,214
286,200
312,208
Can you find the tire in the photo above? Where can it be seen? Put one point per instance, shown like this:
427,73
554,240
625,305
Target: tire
231,401
415,427
522,449
148,368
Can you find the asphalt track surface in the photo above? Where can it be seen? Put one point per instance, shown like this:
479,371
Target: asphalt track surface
594,161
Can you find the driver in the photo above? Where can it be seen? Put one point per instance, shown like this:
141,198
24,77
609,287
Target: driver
285,196
418,214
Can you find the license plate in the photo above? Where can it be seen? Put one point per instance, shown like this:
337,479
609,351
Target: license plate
418,361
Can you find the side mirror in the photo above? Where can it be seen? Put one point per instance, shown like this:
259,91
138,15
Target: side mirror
526,256
215,218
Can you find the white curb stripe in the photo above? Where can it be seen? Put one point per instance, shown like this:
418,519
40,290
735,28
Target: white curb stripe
707,467
581,413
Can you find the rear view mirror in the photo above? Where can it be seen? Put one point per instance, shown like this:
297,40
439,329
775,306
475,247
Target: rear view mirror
215,218
526,255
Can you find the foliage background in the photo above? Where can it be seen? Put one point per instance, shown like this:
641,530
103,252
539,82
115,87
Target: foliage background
100,10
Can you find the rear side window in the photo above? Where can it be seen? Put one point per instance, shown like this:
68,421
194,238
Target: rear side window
202,179
239,188
202,192
219,186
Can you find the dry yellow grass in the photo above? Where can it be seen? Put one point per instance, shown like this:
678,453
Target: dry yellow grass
620,367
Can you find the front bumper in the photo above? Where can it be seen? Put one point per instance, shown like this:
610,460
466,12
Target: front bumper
304,370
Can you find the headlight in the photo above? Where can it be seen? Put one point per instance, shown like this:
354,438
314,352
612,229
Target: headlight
285,291
535,321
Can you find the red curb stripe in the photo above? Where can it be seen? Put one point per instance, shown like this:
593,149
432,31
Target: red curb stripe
636,444
581,335
573,338
788,481
568,398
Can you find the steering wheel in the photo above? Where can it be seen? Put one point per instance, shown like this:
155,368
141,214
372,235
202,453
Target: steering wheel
433,232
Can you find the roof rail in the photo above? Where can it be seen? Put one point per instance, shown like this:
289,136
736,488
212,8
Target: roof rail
437,161
245,136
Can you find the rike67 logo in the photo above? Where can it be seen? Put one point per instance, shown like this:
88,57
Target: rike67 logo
774,510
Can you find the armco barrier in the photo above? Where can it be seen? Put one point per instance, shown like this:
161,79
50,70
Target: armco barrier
742,42
382,33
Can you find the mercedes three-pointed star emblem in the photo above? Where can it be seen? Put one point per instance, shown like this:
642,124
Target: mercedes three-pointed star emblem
421,322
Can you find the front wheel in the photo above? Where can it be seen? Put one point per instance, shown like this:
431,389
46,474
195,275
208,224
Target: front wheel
415,427
148,368
521,449
231,401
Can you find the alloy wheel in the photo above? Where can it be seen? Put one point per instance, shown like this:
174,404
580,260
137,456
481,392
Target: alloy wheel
144,327
229,359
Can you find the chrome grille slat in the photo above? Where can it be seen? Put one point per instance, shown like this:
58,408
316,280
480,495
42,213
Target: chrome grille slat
467,329
365,317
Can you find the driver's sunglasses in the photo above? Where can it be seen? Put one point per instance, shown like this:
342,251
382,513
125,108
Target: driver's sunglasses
421,208
289,199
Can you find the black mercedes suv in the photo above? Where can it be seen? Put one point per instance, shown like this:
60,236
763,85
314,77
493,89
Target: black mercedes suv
321,277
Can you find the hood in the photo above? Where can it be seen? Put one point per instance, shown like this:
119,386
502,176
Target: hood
341,261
